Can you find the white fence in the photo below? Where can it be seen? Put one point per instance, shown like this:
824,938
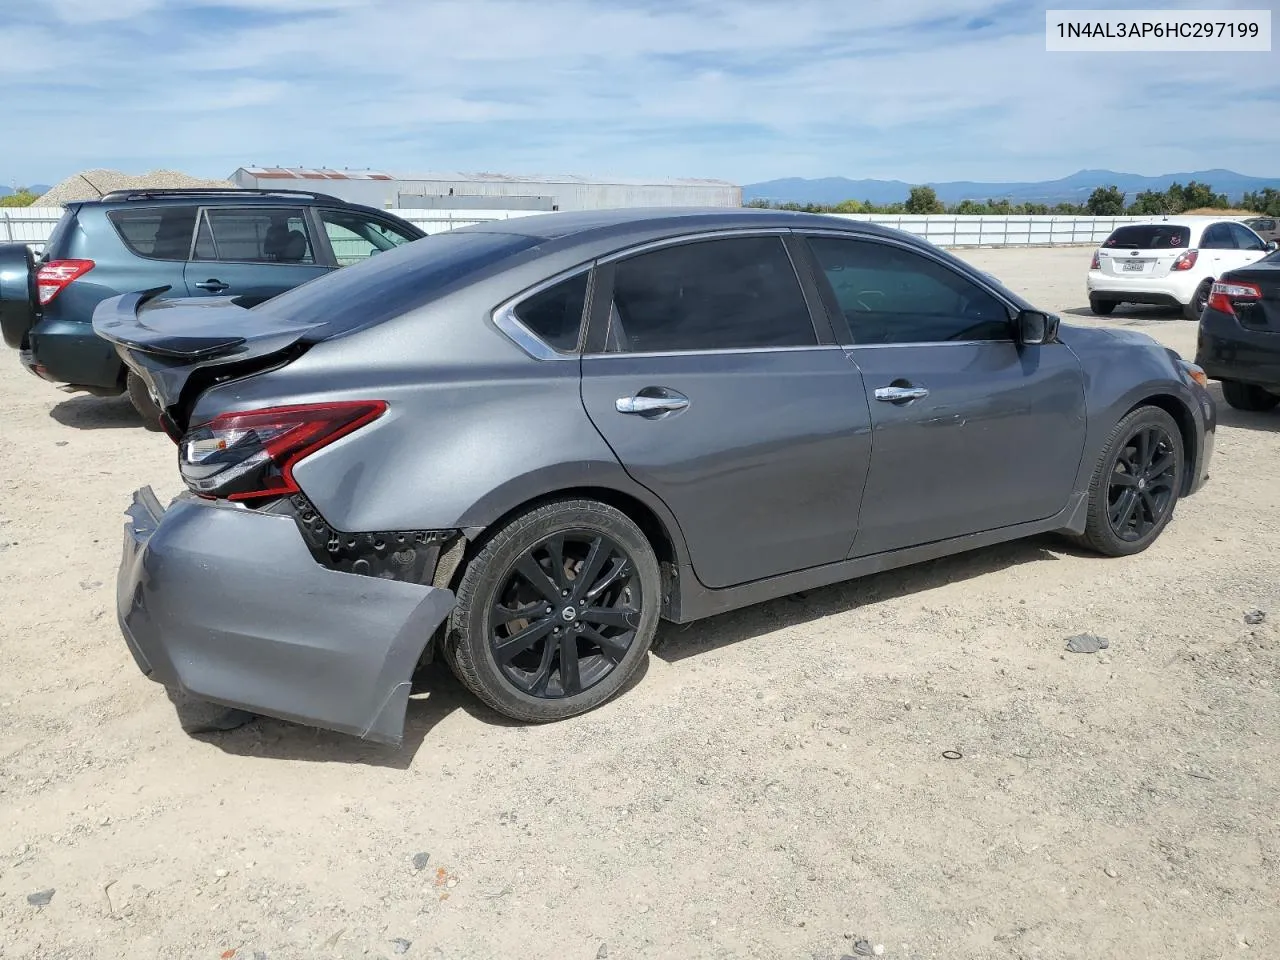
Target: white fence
32,225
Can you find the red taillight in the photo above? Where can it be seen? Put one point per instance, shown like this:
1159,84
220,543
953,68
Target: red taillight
53,277
1186,260
1097,264
1222,296
242,456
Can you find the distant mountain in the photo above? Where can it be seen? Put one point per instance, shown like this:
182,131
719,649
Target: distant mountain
1073,189
37,188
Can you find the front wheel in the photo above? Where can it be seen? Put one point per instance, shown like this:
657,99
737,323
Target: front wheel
140,397
1248,396
1135,484
556,612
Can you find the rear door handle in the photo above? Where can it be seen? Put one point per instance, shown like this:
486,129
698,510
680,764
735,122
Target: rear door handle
651,406
900,394
213,286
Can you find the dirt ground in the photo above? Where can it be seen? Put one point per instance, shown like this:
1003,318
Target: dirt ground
774,786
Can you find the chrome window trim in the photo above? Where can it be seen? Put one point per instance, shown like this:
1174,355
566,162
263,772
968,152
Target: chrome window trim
984,285
721,234
725,352
505,319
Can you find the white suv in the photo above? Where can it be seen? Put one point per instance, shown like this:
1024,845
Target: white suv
1169,262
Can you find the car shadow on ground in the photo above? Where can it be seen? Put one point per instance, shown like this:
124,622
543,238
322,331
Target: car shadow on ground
676,642
1131,313
87,412
1267,421
437,694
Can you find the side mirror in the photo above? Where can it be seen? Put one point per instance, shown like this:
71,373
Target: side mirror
1273,245
1036,326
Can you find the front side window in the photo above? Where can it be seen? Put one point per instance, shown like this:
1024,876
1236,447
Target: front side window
254,235
356,237
1246,239
158,233
731,294
892,295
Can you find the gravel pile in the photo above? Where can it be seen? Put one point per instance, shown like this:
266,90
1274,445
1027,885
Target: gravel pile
92,184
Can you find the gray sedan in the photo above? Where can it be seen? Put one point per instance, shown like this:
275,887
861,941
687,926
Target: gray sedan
518,446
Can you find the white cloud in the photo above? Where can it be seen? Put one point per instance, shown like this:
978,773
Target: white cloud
745,90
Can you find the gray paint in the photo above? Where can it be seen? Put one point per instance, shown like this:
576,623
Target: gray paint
780,475
275,632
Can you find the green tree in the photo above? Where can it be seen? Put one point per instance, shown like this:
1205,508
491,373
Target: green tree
1069,209
1150,203
22,197
1266,200
924,200
1035,209
968,208
850,206
1105,202
1195,196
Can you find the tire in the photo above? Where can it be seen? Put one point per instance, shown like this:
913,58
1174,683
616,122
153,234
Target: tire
531,686
142,402
1123,456
1199,300
1248,396
1102,308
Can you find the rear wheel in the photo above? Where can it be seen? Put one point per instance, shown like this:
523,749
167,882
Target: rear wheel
1101,307
1199,300
1248,396
1135,484
140,397
556,612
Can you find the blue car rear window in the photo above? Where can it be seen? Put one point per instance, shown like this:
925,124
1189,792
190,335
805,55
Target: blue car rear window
392,283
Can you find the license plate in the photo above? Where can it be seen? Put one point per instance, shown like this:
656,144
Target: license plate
1134,266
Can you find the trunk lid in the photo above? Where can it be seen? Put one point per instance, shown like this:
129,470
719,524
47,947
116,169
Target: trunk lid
1143,250
180,347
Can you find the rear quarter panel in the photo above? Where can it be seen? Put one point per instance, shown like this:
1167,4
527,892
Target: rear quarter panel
474,427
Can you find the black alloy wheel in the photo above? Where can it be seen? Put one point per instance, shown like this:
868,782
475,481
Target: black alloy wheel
556,611
1142,484
566,614
1135,485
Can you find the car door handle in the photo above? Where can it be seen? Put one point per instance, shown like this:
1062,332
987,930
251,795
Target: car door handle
642,405
213,286
900,394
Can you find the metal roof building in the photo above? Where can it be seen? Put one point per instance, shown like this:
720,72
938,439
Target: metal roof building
481,191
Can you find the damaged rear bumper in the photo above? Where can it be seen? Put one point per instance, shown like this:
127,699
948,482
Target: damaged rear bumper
228,605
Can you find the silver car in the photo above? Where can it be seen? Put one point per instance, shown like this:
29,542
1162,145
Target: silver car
520,445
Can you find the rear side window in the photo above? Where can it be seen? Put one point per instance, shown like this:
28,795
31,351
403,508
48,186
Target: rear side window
555,314
731,294
255,235
1150,236
158,233
1217,236
395,282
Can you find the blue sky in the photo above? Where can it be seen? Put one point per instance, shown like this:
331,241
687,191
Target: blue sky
745,90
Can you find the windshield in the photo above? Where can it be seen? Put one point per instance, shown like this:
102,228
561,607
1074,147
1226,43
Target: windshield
394,282
1150,236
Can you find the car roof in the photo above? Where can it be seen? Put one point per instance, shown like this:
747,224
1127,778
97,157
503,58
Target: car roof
216,195
603,224
1191,221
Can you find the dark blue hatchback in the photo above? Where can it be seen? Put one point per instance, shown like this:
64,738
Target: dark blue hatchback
246,244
